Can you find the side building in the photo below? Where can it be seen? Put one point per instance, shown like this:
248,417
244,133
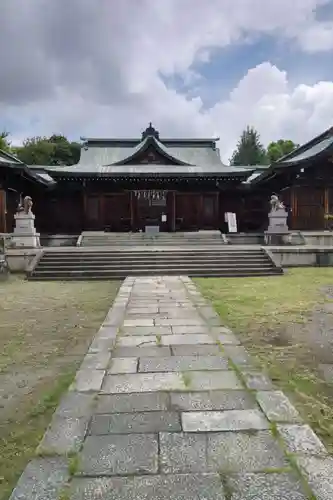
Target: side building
178,184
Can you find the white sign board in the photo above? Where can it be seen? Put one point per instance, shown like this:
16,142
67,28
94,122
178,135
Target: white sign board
232,222
164,218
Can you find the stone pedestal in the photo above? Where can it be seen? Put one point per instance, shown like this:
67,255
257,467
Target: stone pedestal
277,231
25,234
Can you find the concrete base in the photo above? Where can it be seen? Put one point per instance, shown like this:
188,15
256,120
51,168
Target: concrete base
19,260
25,234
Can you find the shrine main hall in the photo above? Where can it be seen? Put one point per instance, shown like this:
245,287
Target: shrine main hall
128,185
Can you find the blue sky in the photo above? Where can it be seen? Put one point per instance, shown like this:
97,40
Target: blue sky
228,65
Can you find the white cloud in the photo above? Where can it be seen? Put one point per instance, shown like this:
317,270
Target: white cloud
75,68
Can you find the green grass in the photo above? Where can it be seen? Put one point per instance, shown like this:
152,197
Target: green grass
45,330
270,316
186,377
73,465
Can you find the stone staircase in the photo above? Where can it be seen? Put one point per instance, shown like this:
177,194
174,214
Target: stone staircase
245,238
108,264
105,239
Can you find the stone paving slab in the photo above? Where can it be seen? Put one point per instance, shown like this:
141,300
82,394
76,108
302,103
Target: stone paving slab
142,330
123,365
319,473
196,350
88,380
212,400
126,403
233,452
75,405
119,455
96,361
64,436
277,407
300,439
182,363
233,420
283,486
168,405
127,423
187,339
43,479
142,382
213,380
183,453
159,487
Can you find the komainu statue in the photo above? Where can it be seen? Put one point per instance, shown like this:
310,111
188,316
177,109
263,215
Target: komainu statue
275,203
26,205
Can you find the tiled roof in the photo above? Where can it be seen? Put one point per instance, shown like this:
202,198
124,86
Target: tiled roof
147,169
302,156
100,155
8,158
313,151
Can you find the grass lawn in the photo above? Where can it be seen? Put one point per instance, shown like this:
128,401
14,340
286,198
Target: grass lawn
285,322
45,330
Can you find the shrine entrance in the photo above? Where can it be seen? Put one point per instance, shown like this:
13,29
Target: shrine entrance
152,209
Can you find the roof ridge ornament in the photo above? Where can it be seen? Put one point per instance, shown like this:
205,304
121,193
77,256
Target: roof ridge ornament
150,132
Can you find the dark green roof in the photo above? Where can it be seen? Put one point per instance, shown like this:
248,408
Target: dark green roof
321,145
184,157
9,159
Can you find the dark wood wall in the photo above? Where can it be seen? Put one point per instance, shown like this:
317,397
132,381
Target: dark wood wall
308,206
197,210
310,198
72,208
3,225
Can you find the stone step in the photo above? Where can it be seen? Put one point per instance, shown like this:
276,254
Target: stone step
101,264
152,253
162,258
150,243
119,275
158,267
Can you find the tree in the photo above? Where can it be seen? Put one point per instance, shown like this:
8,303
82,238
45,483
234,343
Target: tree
54,150
249,150
282,147
4,143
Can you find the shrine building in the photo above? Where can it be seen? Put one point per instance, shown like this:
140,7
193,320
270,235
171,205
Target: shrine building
127,185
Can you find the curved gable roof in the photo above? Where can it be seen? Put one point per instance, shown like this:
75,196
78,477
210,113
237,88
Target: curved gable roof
151,141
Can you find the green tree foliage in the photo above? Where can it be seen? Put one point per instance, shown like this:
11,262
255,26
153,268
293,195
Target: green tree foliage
54,150
249,150
4,143
276,150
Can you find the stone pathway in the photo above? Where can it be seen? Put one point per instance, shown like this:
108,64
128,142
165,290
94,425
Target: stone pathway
168,405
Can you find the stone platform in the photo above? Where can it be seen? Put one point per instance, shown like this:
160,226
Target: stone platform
167,405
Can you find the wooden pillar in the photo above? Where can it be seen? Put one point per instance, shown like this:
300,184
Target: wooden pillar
200,220
326,206
326,200
293,199
217,210
173,211
3,224
85,206
132,210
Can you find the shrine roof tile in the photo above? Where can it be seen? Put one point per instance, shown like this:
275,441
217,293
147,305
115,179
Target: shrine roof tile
151,169
181,152
316,148
313,151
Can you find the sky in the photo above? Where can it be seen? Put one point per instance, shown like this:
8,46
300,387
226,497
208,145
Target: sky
195,68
